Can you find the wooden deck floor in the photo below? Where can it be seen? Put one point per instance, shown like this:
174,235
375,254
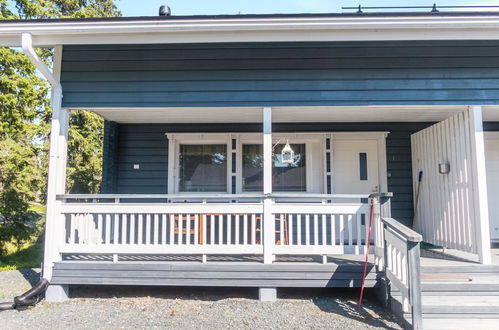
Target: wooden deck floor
246,270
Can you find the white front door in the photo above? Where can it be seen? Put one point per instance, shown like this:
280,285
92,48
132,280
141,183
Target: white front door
355,166
492,164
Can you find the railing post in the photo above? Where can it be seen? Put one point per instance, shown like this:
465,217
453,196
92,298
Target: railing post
413,260
268,221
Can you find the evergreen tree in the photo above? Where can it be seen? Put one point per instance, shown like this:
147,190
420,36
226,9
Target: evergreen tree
24,123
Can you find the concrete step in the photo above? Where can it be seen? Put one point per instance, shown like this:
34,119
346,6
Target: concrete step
460,324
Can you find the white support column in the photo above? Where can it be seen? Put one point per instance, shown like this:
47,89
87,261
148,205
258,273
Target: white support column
481,210
268,223
54,226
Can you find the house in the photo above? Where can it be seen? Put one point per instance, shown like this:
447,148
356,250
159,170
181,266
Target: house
253,150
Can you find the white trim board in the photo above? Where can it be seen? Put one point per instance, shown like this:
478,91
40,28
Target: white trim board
265,29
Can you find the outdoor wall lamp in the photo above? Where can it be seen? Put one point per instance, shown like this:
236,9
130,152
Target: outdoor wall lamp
443,168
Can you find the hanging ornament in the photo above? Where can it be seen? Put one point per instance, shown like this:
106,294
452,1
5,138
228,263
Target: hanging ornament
287,154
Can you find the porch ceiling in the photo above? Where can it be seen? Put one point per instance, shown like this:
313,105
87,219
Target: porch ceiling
289,114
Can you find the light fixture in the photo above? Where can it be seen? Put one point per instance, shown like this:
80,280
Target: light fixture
287,154
444,168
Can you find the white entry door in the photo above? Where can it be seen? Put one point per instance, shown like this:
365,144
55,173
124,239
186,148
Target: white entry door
492,164
355,166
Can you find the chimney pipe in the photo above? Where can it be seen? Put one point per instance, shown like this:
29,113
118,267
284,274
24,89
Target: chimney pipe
164,11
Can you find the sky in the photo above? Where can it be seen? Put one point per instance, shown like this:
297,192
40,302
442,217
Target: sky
213,7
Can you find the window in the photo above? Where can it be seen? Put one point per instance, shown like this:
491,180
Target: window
203,168
285,177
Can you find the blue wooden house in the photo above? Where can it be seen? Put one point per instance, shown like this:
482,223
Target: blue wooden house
254,150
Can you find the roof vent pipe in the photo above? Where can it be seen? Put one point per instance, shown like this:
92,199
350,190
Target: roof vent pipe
165,11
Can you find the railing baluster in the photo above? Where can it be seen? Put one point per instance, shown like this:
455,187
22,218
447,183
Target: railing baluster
298,230
132,229
205,228
290,225
350,236
71,228
358,247
282,230
148,229
140,231
333,229
179,228
236,230
116,229
324,230
171,227
124,226
156,229
229,229
342,230
99,229
196,229
316,230
108,229
245,229
188,229
253,228
163,229
212,229
307,230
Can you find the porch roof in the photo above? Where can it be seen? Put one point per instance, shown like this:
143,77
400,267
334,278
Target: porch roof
308,114
255,28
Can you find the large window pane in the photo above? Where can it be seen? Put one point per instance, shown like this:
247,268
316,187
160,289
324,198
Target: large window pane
203,168
252,167
285,177
289,177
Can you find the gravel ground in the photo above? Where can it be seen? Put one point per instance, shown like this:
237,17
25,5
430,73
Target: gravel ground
190,308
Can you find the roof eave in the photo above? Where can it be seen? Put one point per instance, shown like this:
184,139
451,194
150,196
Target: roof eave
253,30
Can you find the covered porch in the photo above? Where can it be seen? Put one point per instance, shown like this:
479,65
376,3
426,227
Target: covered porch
184,204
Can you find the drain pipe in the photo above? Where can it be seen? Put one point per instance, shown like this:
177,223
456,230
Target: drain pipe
31,297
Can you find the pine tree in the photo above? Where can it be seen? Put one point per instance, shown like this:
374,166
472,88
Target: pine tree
24,123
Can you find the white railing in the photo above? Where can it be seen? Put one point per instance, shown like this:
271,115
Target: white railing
215,224
186,228
402,267
321,229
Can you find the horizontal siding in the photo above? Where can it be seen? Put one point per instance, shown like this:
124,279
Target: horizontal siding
213,274
146,144
255,74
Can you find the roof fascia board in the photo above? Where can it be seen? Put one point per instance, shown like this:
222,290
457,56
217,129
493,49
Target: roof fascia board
252,30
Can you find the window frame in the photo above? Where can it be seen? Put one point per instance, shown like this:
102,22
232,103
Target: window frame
174,142
314,161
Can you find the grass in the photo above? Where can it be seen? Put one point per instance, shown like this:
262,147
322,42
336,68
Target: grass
30,254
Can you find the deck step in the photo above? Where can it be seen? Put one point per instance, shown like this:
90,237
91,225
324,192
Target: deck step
443,323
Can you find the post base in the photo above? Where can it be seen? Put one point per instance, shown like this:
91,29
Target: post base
57,293
267,294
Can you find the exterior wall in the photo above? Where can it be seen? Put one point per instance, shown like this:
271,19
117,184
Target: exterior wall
147,146
260,74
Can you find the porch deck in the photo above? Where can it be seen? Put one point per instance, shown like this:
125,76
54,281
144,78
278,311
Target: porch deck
236,271
249,270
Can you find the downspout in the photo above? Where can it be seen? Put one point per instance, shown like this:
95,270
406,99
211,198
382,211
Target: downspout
54,187
27,45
